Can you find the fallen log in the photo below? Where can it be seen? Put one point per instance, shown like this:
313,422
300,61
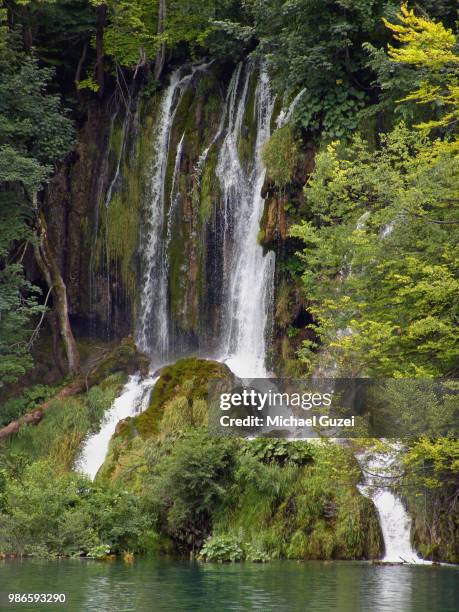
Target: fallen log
35,416
124,357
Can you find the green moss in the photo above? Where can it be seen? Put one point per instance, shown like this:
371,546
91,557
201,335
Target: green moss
119,223
197,116
124,357
246,143
209,187
178,264
125,459
187,378
434,521
280,155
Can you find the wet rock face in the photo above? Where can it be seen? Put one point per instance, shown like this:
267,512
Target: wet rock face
274,223
96,221
284,206
72,197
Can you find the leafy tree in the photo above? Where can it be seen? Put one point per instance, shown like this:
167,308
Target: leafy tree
18,298
433,462
317,46
430,48
382,233
381,256
34,134
130,31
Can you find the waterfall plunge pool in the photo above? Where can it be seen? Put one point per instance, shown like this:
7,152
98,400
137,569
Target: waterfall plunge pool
170,584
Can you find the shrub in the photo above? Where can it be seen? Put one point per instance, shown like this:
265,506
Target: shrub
221,549
190,478
15,407
65,514
282,452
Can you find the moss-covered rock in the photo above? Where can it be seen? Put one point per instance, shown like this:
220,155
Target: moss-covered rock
123,358
194,202
178,403
281,155
304,512
435,528
185,383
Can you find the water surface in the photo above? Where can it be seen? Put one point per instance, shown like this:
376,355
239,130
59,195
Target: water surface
165,584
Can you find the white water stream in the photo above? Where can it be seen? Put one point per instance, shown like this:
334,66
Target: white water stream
153,323
249,273
133,400
380,470
153,334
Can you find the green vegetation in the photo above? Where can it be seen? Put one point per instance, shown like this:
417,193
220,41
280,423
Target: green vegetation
209,186
14,407
431,487
384,216
280,155
181,387
34,134
381,242
366,281
58,437
47,514
258,500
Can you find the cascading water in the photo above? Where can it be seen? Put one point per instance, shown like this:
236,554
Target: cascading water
378,468
248,273
153,323
247,277
285,115
153,333
133,400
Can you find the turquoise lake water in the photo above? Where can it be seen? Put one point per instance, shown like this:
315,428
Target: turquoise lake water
165,584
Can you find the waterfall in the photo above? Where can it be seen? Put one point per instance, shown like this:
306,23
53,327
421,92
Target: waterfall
116,177
248,273
285,115
153,334
395,522
153,324
133,400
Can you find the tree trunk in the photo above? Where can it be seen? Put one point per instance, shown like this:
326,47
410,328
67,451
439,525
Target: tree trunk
161,54
47,263
100,26
58,354
27,30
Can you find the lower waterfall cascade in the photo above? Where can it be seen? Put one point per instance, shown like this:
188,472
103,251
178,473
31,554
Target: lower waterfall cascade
395,522
248,276
132,400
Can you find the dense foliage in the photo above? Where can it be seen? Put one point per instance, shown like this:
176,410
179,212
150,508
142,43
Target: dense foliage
381,239
375,279
44,513
34,134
